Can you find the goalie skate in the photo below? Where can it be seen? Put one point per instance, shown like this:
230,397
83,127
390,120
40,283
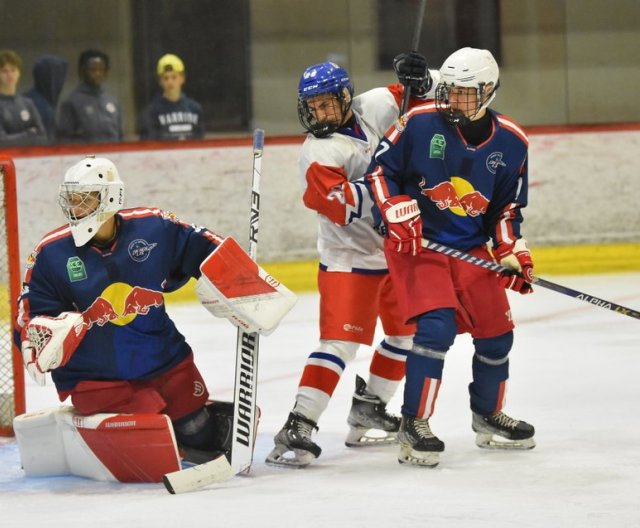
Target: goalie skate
294,447
499,431
369,420
418,445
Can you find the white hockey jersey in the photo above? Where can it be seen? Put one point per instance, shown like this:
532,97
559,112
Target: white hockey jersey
330,169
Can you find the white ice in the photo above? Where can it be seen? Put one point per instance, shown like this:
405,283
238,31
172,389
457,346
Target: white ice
574,375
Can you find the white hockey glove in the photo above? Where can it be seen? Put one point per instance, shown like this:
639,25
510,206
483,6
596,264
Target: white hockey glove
49,342
233,286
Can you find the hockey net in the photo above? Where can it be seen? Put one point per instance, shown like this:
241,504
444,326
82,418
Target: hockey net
12,395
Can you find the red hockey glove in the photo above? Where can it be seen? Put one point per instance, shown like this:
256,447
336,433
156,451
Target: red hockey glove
517,259
404,224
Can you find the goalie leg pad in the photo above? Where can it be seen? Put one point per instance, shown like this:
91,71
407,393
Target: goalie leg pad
233,286
110,447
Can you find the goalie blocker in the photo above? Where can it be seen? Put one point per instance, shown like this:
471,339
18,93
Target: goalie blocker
233,286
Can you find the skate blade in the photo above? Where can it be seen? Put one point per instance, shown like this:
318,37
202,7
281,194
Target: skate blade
418,458
363,437
284,457
491,441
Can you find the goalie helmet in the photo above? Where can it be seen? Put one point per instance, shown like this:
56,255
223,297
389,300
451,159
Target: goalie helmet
326,78
467,68
90,194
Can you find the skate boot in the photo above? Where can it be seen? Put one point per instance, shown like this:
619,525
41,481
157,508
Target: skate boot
511,433
294,447
418,445
370,422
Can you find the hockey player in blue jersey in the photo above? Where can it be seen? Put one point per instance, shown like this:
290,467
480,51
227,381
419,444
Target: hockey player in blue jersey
92,314
455,172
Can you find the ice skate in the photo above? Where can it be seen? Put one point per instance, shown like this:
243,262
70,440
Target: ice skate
294,447
418,445
499,431
369,420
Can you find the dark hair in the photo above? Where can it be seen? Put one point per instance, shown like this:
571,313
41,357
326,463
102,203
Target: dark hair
89,54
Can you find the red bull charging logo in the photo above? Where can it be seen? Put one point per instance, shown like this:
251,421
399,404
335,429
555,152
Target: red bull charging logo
457,195
120,304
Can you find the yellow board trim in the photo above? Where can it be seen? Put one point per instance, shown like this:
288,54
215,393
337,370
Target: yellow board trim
562,260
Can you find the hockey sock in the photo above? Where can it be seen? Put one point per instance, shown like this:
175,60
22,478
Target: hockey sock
490,373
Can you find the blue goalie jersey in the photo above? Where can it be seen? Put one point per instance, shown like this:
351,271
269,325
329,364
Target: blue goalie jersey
119,291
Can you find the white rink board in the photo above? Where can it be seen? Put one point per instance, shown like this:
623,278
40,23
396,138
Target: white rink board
583,189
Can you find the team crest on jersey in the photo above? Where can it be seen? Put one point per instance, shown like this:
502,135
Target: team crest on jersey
401,123
437,146
139,249
494,161
31,259
76,269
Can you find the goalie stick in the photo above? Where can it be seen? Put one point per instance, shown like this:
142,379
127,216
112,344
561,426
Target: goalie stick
417,30
246,377
461,255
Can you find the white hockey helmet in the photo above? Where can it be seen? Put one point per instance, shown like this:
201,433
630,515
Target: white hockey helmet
96,184
468,68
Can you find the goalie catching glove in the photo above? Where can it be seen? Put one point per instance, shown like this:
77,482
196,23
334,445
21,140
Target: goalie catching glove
49,342
517,258
233,286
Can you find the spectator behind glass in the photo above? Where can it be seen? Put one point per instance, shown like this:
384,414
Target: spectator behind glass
172,115
90,114
49,74
20,123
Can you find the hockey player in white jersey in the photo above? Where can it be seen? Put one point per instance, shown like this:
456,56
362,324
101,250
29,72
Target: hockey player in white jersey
353,280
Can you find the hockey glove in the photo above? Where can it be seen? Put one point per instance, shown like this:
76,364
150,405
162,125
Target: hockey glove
404,224
517,258
411,69
49,342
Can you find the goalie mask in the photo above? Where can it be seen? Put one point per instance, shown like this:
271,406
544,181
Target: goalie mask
325,93
469,79
91,193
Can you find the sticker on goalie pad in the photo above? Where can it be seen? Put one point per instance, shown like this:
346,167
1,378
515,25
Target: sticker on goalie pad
110,447
233,286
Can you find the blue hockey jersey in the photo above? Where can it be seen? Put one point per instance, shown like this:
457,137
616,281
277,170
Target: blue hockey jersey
467,194
119,290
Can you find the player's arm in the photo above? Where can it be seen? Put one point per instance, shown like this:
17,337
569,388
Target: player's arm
505,218
399,211
413,73
48,329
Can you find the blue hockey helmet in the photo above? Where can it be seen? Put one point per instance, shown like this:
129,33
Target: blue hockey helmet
322,79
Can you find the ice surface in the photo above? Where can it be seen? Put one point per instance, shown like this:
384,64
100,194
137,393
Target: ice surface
574,375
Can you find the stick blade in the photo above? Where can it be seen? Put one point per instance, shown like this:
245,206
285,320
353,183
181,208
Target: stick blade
196,477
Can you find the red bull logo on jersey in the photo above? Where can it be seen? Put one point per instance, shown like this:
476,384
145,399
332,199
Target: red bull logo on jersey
120,304
457,195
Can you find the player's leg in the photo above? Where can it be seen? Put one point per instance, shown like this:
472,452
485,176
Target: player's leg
488,306
425,292
370,422
343,327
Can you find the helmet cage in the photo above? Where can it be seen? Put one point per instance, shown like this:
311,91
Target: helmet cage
90,194
484,95
321,129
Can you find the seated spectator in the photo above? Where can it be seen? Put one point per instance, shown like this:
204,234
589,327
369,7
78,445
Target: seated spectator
49,74
172,115
20,123
90,114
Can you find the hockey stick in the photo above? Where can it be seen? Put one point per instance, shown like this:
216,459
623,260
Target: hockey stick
414,47
244,392
460,255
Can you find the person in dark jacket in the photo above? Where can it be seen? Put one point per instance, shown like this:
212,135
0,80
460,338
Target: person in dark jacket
49,74
20,123
90,114
172,115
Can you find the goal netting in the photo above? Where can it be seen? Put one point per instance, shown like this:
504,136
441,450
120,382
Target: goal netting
12,396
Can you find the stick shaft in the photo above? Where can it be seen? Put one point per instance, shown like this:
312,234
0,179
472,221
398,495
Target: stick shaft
415,42
596,301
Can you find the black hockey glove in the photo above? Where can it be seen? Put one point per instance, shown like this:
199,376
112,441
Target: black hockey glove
412,71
